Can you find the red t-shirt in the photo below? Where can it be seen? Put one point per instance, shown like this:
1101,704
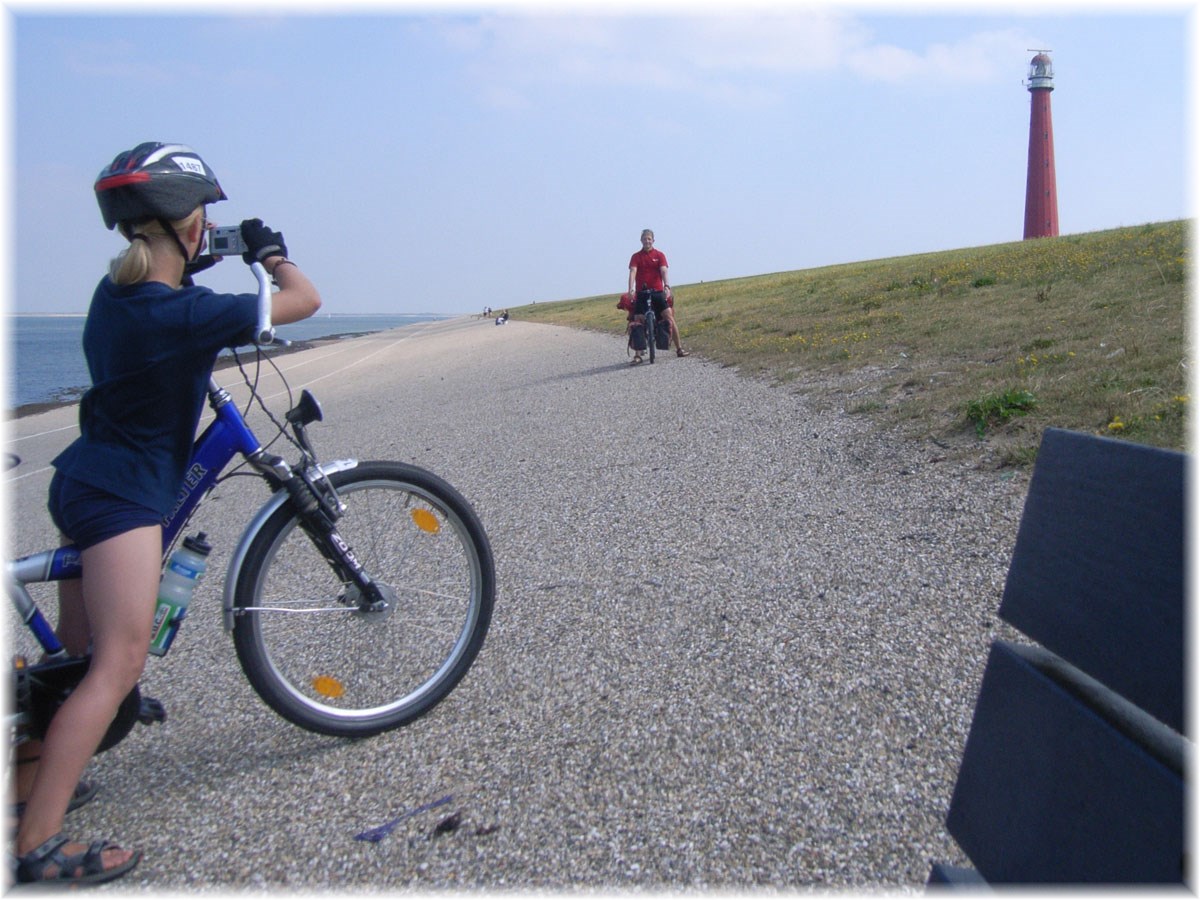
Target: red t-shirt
648,264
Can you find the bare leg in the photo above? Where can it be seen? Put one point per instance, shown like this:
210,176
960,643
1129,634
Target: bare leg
674,330
28,755
119,587
73,628
74,632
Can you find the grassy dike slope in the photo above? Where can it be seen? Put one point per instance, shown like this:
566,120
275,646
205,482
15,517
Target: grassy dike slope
978,349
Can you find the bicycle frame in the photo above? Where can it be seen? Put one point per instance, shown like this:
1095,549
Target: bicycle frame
224,438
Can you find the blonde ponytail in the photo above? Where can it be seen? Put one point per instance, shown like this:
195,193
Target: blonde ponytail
132,265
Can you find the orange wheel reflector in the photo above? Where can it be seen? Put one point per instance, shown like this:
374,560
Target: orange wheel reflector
328,687
426,521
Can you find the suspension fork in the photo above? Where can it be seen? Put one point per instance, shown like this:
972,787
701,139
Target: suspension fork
318,517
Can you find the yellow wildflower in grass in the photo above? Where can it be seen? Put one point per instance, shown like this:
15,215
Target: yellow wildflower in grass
1116,424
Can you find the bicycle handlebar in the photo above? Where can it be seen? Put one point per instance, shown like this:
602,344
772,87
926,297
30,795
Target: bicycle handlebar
264,332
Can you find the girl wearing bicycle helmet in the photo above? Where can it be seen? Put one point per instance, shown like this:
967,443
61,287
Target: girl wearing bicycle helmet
151,339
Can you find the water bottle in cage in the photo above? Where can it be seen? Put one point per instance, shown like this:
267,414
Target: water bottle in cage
179,579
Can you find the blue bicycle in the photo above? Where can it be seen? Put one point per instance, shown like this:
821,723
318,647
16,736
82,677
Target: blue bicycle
358,596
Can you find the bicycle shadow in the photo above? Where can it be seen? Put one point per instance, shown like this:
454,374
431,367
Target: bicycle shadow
585,373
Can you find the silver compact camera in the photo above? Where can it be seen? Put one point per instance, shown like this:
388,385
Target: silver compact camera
226,240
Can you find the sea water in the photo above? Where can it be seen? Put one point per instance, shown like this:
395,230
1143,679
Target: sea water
46,365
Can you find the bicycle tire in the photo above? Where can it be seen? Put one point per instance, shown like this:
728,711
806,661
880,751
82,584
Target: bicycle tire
649,326
353,674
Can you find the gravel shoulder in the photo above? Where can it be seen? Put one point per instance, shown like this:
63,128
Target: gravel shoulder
737,640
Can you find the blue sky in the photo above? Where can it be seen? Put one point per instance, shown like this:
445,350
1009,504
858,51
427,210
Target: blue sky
425,159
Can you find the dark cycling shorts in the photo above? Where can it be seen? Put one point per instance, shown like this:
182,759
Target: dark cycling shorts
88,515
657,298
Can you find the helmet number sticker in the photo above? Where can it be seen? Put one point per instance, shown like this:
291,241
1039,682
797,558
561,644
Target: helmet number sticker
190,164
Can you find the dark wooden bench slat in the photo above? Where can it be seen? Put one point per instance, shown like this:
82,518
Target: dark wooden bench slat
942,875
1050,792
1098,574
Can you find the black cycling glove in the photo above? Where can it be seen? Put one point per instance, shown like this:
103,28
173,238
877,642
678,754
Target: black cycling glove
261,241
199,264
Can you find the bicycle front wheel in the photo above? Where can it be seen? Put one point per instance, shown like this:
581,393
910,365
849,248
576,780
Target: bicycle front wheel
650,332
324,664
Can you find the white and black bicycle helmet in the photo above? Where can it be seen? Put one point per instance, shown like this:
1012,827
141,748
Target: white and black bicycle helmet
155,181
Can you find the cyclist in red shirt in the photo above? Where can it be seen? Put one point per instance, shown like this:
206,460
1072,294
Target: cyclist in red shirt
648,284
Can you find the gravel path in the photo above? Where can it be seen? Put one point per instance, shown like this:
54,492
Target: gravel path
737,640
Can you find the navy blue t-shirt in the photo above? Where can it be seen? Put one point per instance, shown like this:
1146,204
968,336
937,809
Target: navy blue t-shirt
150,350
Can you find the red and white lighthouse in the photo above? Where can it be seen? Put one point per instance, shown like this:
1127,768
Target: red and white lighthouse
1041,194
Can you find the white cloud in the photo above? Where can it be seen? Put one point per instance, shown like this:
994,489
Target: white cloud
721,57
977,58
769,43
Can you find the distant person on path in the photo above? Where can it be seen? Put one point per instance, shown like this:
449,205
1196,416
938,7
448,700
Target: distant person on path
649,285
150,339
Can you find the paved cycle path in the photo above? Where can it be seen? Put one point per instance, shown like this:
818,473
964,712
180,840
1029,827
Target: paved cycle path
736,643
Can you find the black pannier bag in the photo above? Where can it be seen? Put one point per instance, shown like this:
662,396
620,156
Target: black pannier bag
637,338
662,334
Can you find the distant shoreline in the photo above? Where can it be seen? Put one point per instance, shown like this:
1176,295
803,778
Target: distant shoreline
223,362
